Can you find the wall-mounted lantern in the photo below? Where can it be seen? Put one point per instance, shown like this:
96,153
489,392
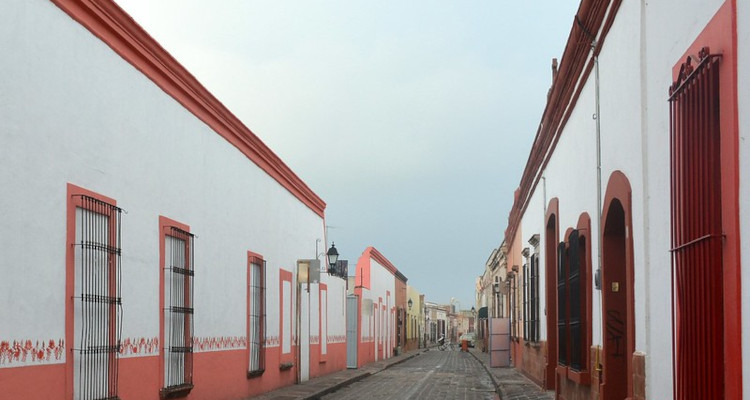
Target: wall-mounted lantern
410,303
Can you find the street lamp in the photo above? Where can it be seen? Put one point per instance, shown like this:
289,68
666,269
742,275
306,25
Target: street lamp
333,256
410,303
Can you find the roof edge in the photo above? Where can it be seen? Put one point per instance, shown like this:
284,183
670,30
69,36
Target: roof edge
116,28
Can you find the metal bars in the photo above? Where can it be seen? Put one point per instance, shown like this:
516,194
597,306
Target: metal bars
98,306
178,310
697,267
575,317
562,304
534,301
257,317
526,296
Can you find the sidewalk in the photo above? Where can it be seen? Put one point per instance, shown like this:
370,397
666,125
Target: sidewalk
318,387
510,383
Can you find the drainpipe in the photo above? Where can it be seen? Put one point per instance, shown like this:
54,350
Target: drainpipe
596,116
598,276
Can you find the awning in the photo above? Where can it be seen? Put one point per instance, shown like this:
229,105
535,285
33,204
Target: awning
482,313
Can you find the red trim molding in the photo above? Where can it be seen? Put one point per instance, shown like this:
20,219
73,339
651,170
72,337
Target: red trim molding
362,273
575,66
720,35
118,30
72,204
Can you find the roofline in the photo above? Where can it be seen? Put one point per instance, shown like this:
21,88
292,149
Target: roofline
373,253
112,25
575,67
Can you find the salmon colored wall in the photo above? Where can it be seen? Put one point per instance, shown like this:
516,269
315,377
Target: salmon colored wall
33,382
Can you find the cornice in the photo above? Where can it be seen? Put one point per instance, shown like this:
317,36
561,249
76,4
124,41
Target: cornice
574,69
107,21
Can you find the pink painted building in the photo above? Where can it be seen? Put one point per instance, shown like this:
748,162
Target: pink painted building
375,285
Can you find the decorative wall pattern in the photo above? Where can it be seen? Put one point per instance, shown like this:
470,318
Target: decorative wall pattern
27,352
139,347
314,339
336,338
272,341
219,343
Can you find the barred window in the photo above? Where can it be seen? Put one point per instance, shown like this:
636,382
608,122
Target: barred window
513,307
178,312
562,304
577,301
572,303
533,318
526,299
97,306
256,316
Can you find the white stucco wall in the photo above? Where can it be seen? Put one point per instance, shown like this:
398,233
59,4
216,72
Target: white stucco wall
74,111
644,43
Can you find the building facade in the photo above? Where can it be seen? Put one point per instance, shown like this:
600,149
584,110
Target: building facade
624,241
150,236
375,286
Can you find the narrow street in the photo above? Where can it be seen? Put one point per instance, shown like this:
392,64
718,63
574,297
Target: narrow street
432,375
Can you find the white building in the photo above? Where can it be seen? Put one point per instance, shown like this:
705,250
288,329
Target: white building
193,288
630,210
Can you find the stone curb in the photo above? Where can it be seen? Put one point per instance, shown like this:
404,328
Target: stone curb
331,389
363,375
495,382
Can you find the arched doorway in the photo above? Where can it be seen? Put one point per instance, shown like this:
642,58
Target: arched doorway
617,291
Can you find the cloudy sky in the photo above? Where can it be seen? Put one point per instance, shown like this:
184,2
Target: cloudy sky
413,119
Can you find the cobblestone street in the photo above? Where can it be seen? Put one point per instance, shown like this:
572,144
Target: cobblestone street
431,375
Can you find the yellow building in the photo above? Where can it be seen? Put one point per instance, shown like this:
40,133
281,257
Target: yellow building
414,318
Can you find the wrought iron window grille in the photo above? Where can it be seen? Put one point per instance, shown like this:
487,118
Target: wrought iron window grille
179,275
257,318
98,305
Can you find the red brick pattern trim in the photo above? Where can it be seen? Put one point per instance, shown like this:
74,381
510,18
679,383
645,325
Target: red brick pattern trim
139,346
28,351
273,341
219,343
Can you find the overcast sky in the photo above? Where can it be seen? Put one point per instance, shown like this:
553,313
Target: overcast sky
412,119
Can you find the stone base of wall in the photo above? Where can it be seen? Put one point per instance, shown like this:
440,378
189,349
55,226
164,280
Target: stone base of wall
572,385
534,360
587,387
639,376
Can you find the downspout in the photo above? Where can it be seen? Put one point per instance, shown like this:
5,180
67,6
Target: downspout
598,276
596,116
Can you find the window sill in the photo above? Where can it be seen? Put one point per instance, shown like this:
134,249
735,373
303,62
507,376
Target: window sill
579,377
255,374
175,392
286,366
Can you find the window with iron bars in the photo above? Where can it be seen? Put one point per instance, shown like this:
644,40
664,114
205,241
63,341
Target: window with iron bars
257,317
571,298
534,299
513,307
526,308
562,304
178,313
97,304
531,299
